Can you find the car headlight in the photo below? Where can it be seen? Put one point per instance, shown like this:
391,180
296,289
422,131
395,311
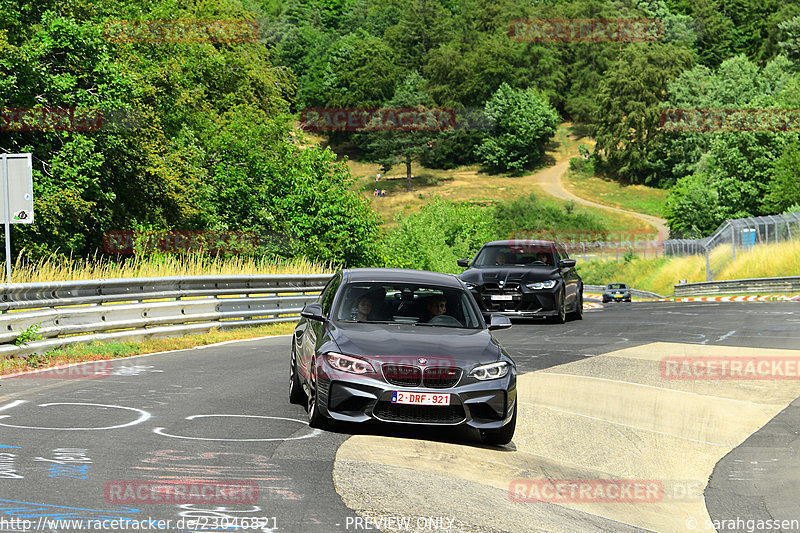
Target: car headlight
490,371
346,363
549,284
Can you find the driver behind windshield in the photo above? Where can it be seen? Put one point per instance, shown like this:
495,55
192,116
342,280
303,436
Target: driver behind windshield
364,308
436,306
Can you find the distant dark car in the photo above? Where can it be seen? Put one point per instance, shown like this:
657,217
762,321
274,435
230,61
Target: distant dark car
616,292
403,347
525,279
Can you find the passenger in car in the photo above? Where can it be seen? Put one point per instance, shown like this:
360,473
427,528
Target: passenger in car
364,308
436,305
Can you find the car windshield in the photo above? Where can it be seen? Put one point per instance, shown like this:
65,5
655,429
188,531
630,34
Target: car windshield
616,286
403,303
527,255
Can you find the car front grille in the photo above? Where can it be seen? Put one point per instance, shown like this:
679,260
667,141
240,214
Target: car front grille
403,375
512,287
441,377
419,414
435,377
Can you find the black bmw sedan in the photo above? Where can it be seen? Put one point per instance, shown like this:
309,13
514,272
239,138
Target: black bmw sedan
525,278
402,347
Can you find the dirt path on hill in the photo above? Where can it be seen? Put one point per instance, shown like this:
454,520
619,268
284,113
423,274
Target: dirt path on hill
549,179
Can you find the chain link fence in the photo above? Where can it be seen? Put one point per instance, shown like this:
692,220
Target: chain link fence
736,235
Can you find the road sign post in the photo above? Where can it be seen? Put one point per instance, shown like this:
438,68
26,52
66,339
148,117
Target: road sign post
17,203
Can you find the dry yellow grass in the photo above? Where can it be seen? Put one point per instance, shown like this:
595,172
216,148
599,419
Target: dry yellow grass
765,261
470,184
58,268
660,275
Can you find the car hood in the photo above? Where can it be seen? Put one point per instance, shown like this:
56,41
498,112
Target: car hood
481,276
406,342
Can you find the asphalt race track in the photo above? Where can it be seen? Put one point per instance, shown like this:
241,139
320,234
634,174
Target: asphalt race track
595,407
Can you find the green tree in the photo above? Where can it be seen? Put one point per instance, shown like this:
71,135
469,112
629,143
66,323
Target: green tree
438,235
393,146
523,121
783,190
628,103
790,44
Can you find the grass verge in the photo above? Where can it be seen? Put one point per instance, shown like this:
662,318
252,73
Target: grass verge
156,265
98,351
659,275
638,198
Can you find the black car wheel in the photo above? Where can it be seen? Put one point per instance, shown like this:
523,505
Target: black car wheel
561,317
578,313
315,418
296,394
498,437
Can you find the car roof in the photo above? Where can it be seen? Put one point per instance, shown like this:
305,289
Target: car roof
517,242
401,275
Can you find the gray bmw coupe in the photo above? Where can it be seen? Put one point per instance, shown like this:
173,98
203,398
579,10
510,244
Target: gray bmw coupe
402,347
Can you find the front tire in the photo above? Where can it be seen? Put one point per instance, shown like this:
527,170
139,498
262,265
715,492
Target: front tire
578,313
499,437
296,394
561,317
315,418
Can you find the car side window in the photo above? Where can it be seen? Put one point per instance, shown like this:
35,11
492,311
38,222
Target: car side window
329,293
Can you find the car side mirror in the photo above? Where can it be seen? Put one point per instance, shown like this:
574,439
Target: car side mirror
498,321
313,312
567,263
463,263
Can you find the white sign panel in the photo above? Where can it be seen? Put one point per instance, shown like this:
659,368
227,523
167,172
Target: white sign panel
20,188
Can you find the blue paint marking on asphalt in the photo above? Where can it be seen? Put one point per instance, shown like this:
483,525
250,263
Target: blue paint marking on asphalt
36,510
7,446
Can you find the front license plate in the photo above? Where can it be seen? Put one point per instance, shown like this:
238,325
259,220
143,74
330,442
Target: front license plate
502,297
420,398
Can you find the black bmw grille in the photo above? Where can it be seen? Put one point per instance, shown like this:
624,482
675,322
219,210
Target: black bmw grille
510,287
403,375
420,414
441,377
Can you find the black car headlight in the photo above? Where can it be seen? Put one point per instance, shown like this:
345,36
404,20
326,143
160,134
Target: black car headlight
347,363
490,371
548,284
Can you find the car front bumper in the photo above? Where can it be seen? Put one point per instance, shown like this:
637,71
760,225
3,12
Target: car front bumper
478,404
522,303
616,298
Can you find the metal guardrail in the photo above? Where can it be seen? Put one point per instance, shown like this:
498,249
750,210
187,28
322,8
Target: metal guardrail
739,286
70,312
636,293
